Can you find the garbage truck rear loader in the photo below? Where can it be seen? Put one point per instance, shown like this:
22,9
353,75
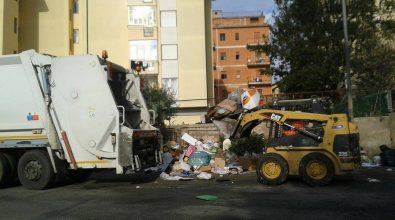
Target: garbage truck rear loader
71,115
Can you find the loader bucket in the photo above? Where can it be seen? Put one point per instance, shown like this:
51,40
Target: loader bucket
225,126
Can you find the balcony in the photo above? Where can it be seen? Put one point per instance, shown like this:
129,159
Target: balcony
256,41
258,81
151,67
258,62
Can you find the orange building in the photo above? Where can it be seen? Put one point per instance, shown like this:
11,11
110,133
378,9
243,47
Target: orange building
235,67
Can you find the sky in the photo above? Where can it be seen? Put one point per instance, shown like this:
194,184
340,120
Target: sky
267,6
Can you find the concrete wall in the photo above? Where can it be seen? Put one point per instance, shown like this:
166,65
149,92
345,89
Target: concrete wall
198,131
375,131
392,129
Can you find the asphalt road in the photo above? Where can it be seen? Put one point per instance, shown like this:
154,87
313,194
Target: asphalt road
105,196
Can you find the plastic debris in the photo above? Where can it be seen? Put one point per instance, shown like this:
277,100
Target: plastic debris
189,139
372,180
207,197
376,160
250,99
221,171
165,176
138,187
167,159
204,176
389,169
369,165
191,149
226,144
199,158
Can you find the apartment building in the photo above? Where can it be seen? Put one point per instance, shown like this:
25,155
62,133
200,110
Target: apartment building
172,38
9,15
168,36
234,66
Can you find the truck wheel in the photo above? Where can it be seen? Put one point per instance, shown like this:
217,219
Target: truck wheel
316,169
272,169
4,170
13,166
35,170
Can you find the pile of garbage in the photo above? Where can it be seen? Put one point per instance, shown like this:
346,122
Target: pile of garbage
386,158
201,159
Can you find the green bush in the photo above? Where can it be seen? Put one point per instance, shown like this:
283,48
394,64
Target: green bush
251,144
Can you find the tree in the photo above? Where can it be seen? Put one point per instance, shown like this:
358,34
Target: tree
306,46
161,101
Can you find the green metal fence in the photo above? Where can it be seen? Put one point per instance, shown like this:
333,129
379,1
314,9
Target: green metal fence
368,103
373,104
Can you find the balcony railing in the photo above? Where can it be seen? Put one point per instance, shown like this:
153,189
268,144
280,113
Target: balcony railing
257,62
258,81
151,67
256,41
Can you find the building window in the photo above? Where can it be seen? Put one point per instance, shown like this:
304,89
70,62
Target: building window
171,86
237,56
143,50
238,74
76,36
148,31
237,36
168,19
223,56
257,37
76,7
142,15
169,52
222,37
15,25
224,75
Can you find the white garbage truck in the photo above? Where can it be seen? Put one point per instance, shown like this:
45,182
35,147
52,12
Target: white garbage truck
71,115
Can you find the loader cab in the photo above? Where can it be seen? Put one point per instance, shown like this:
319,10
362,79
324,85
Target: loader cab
282,135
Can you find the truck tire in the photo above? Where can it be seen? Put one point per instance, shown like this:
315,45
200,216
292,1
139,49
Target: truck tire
35,170
13,163
272,169
4,170
316,169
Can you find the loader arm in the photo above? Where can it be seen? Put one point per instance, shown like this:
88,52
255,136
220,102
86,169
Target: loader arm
277,116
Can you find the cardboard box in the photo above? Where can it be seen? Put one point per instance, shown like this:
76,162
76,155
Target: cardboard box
205,168
219,163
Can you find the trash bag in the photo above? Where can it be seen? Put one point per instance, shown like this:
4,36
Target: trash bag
387,156
199,158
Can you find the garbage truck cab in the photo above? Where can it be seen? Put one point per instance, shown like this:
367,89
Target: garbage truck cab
71,114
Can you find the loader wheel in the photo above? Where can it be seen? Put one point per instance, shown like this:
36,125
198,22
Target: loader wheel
316,169
35,170
272,169
4,170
